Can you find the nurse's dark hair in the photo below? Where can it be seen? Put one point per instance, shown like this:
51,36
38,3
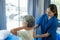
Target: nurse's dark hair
53,8
29,19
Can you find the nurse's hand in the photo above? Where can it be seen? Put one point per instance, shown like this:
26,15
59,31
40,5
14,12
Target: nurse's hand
44,35
35,35
36,26
41,36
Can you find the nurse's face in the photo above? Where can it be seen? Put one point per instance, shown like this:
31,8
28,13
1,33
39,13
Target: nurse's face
49,12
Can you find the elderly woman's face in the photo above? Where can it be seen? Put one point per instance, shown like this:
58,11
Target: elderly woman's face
49,12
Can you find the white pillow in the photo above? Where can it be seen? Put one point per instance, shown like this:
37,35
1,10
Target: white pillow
4,34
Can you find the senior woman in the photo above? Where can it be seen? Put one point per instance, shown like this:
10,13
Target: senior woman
25,32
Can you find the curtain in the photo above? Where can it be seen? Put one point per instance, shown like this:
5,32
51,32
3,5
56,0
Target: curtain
2,15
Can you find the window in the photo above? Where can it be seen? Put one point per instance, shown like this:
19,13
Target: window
14,10
57,2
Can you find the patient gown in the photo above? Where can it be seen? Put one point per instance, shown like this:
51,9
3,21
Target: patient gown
25,34
48,26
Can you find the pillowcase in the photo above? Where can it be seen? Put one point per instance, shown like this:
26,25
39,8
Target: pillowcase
4,34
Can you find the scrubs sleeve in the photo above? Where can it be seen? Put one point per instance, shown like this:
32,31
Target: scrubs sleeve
39,21
52,29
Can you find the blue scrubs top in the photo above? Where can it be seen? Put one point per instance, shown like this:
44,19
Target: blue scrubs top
48,26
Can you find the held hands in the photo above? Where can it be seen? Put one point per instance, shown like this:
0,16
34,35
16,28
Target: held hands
35,35
41,36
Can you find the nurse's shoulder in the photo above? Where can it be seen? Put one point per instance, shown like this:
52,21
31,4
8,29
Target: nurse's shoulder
55,20
43,15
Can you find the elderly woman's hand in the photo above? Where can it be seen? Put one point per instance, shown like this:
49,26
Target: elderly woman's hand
13,31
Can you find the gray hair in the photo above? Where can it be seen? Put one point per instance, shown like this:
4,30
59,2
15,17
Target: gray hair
29,20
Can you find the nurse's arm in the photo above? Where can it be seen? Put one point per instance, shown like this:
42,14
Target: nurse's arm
36,26
41,36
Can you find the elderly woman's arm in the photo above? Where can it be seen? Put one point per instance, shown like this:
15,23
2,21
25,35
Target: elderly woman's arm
14,31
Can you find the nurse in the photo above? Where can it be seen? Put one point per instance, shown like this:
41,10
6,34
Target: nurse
48,23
